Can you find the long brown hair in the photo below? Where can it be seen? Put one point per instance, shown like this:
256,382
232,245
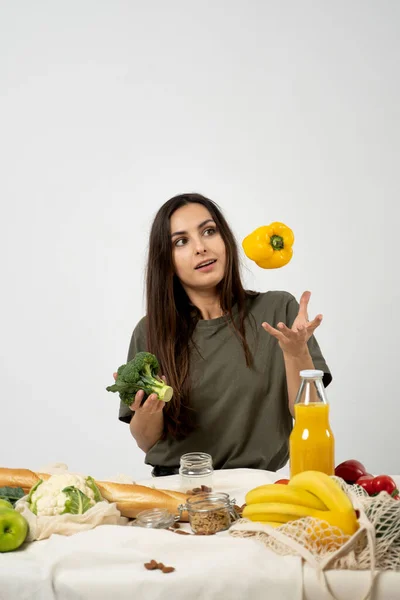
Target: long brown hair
170,319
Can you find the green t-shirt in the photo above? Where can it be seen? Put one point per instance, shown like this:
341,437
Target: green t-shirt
242,413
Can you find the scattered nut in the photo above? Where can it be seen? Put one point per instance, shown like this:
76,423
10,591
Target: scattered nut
181,531
153,565
199,490
239,510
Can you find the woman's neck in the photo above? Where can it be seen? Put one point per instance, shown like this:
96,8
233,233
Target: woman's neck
208,303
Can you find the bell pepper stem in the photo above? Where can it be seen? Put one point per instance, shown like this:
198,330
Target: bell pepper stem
277,242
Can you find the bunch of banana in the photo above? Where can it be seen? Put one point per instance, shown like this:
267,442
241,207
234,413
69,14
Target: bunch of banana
308,494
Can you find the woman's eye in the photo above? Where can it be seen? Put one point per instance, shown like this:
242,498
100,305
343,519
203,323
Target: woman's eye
180,242
210,231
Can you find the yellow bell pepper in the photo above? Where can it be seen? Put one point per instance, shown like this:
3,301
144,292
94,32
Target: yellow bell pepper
270,246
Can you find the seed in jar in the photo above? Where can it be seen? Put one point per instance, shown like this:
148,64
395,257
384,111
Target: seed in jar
210,522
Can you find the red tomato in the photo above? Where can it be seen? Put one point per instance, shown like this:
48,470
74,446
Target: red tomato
284,481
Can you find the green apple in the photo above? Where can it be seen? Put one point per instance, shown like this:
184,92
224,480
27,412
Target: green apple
5,504
13,529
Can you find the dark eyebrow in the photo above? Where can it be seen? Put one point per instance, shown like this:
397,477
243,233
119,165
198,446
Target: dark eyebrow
199,227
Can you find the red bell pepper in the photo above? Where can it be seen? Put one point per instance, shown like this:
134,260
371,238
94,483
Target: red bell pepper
382,483
368,483
350,470
282,481
386,484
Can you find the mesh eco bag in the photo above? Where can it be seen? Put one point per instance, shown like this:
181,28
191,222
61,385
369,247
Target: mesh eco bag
376,544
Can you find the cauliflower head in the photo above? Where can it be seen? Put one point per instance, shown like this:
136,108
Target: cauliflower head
63,493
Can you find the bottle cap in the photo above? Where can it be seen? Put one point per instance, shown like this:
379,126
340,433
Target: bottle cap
311,374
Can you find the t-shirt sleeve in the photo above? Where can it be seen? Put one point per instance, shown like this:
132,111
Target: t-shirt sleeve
137,344
313,346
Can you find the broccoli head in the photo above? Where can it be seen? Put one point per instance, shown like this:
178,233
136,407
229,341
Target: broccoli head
140,373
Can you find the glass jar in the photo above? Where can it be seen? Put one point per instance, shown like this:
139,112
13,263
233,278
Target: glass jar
155,518
210,512
196,469
312,444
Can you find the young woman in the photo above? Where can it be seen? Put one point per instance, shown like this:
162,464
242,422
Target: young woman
232,356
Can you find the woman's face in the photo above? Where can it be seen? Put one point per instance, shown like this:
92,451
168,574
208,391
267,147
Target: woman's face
196,240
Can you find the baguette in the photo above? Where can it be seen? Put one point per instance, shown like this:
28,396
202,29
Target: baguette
132,498
22,478
129,498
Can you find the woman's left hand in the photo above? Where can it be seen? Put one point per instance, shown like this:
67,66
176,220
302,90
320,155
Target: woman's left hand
293,342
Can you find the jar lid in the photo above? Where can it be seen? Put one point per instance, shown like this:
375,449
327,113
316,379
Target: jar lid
156,518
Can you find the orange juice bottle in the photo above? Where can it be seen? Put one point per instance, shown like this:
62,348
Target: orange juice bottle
312,444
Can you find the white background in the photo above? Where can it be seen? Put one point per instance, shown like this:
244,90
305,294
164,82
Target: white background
276,110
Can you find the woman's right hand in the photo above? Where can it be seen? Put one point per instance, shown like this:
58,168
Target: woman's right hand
151,405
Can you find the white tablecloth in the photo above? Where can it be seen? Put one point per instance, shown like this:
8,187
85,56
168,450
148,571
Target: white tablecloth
108,562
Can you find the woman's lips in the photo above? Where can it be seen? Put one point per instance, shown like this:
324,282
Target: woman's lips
206,268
